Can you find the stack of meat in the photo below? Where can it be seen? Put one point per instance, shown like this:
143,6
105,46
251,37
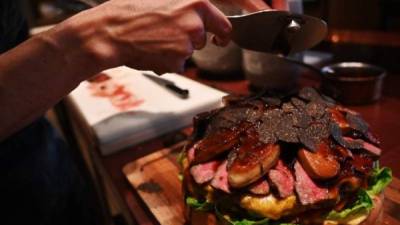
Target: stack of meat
279,158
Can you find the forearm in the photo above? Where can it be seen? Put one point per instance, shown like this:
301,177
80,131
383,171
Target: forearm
33,77
145,35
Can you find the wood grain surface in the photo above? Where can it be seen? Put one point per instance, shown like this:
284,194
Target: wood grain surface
155,178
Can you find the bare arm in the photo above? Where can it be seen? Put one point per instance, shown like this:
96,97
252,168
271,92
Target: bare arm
157,35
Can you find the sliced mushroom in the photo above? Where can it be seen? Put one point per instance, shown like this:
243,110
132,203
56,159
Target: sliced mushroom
319,165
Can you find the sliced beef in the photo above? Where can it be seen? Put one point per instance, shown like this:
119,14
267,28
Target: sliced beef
365,145
282,178
260,187
307,190
204,172
220,180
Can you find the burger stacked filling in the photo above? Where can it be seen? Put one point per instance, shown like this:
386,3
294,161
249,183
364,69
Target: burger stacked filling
293,159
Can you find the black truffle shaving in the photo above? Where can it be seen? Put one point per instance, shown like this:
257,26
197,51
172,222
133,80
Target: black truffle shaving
313,135
310,94
315,109
301,119
357,123
337,135
269,123
299,104
288,107
286,131
271,101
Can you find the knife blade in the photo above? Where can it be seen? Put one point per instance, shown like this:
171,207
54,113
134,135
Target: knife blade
276,31
180,92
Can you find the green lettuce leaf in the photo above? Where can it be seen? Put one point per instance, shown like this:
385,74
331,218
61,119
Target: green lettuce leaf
363,205
180,157
220,216
265,221
249,222
381,178
197,205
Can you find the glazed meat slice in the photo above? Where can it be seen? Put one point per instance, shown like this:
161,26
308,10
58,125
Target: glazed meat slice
213,145
260,187
220,180
204,172
251,160
282,178
320,164
307,190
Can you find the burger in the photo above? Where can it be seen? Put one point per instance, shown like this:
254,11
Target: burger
283,159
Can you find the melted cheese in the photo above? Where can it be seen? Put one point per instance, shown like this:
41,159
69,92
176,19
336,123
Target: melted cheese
268,206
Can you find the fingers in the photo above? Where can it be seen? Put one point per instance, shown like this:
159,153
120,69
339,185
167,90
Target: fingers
248,5
252,5
199,41
196,30
215,21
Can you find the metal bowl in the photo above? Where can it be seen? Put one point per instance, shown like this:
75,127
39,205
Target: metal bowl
353,83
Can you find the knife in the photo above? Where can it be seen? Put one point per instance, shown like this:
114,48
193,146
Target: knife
182,93
276,31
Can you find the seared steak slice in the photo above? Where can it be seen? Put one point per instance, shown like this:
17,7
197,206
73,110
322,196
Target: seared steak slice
251,160
260,187
282,178
220,180
307,190
205,172
365,145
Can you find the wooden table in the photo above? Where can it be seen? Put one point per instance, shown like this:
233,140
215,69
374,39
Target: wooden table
383,116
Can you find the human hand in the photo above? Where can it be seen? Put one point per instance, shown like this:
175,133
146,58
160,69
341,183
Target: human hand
248,5
143,34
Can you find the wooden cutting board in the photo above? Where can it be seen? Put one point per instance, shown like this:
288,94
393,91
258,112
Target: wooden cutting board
155,177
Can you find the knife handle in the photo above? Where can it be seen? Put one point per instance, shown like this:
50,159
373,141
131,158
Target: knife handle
183,93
